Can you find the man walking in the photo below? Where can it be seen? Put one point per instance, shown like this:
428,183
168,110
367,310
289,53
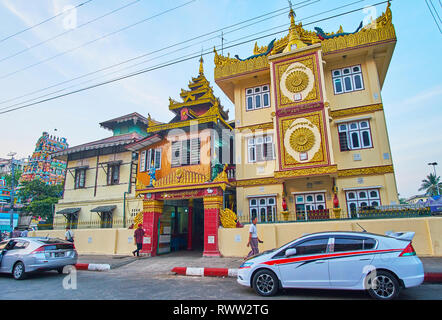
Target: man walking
16,233
253,238
138,239
69,235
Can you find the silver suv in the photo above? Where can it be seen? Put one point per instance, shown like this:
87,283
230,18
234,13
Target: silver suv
20,256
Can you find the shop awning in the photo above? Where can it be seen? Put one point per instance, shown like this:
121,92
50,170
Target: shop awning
104,209
68,211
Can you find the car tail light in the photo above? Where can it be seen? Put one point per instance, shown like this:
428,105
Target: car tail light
408,251
40,249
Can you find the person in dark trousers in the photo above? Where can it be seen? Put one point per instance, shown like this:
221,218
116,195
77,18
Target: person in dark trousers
138,239
253,238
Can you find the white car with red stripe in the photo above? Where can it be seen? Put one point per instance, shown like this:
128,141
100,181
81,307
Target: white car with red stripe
382,265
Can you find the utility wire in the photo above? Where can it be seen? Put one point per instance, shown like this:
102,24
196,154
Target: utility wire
437,24
165,48
431,2
44,21
94,40
172,62
70,30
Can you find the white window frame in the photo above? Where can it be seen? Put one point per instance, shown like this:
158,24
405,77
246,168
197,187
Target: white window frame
345,127
260,203
314,203
345,73
181,160
258,93
148,164
256,147
369,198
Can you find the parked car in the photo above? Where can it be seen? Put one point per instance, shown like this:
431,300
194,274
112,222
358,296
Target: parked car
382,265
20,256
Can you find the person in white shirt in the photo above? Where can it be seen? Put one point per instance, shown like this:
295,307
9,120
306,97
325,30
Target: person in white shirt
69,235
253,238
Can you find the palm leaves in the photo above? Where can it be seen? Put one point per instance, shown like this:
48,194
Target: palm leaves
431,185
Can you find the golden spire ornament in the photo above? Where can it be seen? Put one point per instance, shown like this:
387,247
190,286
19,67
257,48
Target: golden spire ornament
201,66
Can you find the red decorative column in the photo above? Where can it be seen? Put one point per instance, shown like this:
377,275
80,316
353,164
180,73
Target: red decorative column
189,224
212,207
152,209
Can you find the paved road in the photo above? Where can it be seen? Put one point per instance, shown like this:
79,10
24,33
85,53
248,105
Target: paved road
131,283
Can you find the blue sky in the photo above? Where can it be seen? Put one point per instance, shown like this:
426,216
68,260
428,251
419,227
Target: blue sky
411,94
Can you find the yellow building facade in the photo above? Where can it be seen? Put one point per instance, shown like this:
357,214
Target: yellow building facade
311,140
99,188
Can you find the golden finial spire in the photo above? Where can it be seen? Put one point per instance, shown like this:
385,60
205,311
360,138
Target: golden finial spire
294,38
201,65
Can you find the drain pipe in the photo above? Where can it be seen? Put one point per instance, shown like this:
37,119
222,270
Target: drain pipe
124,208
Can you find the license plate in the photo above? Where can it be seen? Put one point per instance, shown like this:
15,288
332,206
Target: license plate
58,254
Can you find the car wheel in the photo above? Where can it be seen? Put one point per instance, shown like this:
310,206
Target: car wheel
18,271
60,270
265,283
382,285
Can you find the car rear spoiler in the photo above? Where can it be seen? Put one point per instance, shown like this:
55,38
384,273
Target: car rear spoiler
408,236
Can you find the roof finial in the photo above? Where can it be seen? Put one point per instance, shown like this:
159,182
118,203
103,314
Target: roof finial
201,65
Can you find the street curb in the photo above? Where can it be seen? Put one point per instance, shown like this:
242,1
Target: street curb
433,277
92,266
206,272
430,277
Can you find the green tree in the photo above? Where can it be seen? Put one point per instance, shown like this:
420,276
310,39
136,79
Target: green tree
431,185
8,178
40,198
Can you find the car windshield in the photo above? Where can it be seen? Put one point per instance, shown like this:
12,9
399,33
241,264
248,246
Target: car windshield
260,254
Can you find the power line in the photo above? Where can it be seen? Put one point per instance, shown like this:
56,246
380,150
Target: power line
44,21
431,2
162,49
94,40
70,30
172,62
437,24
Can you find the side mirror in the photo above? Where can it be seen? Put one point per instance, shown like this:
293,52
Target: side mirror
290,252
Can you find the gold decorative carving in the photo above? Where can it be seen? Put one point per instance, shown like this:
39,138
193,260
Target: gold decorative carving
213,202
222,176
366,171
306,172
153,206
296,81
302,139
256,182
356,110
228,218
138,219
181,177
380,30
262,126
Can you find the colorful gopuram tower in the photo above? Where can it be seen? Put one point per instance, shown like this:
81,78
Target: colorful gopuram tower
41,165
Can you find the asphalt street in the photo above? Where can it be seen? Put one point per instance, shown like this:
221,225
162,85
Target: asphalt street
132,283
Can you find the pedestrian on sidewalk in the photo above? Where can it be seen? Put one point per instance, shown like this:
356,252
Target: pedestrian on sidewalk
24,233
69,235
138,239
16,233
253,238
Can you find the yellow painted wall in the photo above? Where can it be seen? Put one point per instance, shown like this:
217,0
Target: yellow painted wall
232,242
97,241
427,241
355,98
252,170
243,193
103,190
